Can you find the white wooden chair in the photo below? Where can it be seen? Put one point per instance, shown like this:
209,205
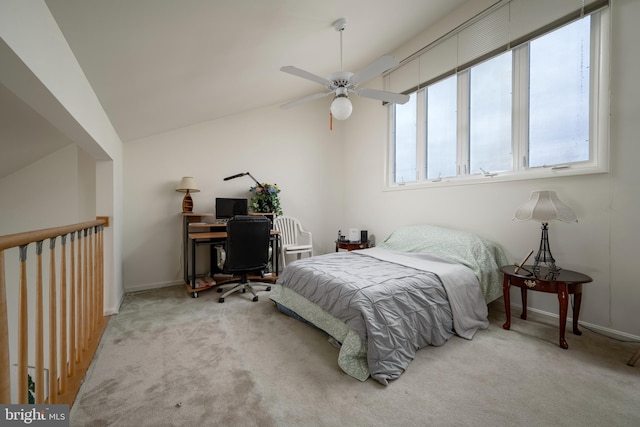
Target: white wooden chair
293,239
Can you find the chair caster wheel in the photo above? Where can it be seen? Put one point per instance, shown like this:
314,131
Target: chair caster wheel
268,288
219,290
221,300
255,299
244,290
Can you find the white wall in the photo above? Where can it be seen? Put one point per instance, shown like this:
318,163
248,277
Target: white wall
625,154
294,149
47,193
605,242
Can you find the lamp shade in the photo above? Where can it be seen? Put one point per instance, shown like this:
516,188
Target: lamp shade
341,108
544,206
187,184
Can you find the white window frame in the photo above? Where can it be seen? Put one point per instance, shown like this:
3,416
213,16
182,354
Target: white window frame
598,124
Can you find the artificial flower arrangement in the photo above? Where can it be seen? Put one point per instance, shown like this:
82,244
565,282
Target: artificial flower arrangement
264,198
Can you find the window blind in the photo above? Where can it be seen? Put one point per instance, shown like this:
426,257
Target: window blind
506,24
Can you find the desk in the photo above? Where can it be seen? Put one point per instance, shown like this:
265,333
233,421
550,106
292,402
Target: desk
188,219
217,237
563,283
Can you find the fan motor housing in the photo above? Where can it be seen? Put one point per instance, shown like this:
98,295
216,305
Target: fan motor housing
340,79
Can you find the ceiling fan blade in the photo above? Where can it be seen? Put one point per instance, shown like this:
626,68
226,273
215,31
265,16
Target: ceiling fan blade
381,95
305,99
376,68
305,75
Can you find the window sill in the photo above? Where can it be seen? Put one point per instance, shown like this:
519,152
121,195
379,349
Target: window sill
534,173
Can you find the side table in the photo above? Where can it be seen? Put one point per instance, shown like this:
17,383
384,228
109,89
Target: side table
352,246
563,283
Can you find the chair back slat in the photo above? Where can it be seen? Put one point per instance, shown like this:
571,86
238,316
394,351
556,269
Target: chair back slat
288,228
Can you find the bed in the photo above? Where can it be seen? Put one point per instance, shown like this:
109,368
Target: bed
419,287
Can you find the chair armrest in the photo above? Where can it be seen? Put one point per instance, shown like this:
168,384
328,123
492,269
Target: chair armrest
304,238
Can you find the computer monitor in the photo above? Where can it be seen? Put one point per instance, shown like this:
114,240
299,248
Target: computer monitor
228,207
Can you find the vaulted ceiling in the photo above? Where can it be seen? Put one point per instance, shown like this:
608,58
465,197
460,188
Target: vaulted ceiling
157,65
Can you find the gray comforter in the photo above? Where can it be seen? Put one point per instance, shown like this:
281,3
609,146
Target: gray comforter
395,302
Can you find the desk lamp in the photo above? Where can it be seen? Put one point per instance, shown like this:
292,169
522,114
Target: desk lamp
544,206
238,175
186,185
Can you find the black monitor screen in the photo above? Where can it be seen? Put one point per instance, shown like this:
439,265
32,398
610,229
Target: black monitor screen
228,208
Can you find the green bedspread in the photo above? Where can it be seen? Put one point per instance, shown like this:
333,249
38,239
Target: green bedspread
481,255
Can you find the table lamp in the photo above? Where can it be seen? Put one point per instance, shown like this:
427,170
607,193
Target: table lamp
545,206
187,185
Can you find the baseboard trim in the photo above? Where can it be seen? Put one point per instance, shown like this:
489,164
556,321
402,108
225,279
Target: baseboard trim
150,286
612,333
115,310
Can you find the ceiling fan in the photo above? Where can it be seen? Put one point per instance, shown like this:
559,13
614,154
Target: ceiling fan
341,83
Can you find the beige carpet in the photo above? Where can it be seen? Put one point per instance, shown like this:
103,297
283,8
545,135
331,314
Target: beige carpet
171,360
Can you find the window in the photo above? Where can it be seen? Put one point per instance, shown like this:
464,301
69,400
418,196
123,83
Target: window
490,115
559,96
405,141
441,129
517,114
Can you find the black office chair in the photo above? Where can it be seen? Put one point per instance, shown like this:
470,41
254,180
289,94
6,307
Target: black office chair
247,251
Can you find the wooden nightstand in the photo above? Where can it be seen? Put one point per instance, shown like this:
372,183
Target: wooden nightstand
351,246
563,283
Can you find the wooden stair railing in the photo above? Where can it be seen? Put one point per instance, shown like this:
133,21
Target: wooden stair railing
75,312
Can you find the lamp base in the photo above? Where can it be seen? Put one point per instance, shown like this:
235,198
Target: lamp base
187,203
543,257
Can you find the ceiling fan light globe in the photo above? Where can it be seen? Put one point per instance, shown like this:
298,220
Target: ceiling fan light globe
341,108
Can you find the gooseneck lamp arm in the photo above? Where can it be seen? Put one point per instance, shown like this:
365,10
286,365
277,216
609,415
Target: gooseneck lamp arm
238,175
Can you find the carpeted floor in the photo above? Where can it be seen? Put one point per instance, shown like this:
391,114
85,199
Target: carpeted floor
170,360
